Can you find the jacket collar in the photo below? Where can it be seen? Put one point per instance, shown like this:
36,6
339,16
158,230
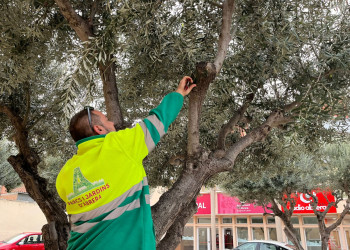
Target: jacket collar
88,139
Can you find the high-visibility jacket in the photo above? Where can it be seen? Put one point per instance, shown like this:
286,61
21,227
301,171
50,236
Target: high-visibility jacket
105,186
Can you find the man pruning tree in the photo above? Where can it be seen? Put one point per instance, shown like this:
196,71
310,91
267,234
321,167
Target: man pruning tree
105,186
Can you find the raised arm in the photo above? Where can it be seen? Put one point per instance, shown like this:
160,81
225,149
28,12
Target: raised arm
157,123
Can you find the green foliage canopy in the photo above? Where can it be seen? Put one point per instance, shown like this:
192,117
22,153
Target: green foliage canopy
8,176
282,52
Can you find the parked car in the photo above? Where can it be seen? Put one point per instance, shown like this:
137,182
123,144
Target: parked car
24,241
263,245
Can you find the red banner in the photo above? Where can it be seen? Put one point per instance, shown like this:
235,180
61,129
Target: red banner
232,205
227,205
203,204
303,203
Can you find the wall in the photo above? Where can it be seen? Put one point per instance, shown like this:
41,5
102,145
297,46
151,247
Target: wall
19,216
156,193
24,197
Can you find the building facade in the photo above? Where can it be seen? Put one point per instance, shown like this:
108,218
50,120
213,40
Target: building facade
18,213
236,223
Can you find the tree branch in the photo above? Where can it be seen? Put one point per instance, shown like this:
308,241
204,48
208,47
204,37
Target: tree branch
314,204
275,208
94,7
275,119
291,200
110,92
258,134
76,22
205,73
25,164
341,217
21,135
291,106
225,33
227,128
335,204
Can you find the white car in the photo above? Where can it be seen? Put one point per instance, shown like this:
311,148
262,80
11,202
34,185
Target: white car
263,245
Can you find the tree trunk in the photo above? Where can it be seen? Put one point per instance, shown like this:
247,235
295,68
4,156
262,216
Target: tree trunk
110,92
174,235
198,169
292,236
184,191
200,164
326,231
324,240
56,232
196,173
285,216
26,165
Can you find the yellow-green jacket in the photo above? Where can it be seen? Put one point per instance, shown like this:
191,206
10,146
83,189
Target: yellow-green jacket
105,186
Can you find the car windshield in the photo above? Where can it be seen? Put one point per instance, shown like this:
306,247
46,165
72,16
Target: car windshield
14,238
247,246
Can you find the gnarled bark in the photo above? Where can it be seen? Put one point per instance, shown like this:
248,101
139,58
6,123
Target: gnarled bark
177,229
205,73
110,92
56,233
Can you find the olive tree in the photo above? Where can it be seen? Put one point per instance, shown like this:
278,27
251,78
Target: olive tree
29,116
292,167
333,173
274,182
259,66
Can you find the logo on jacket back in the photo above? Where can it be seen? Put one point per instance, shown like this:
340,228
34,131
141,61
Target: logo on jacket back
82,185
